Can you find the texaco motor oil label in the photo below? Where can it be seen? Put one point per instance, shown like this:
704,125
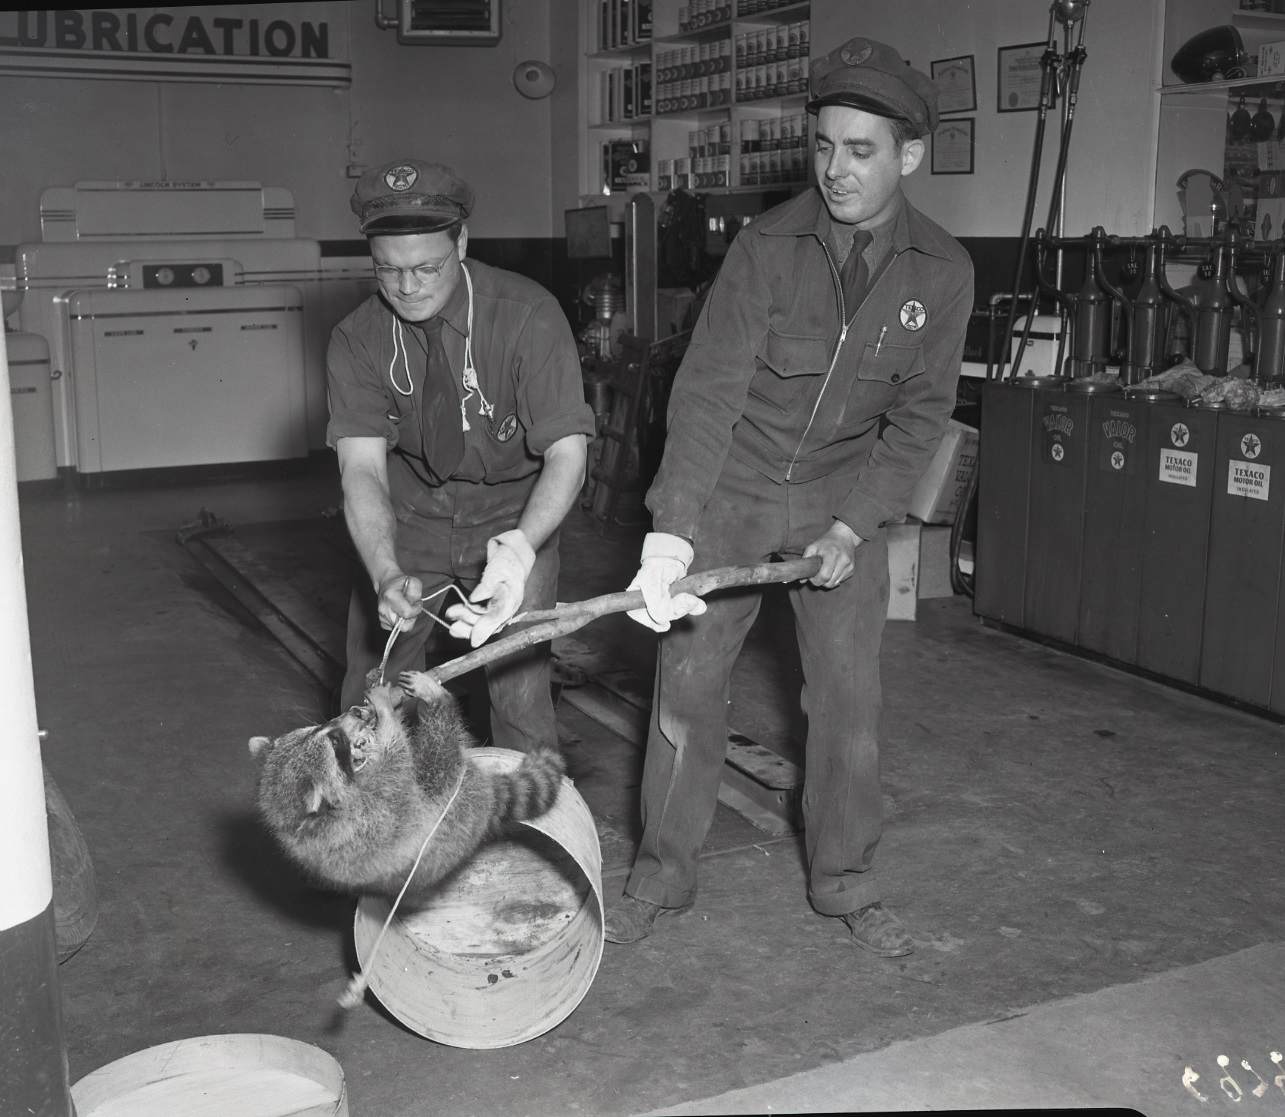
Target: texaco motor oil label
1177,465
1248,476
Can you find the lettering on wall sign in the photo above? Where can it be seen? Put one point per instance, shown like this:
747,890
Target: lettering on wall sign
152,44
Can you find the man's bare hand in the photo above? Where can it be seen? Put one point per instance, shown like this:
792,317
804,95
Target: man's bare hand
399,596
838,551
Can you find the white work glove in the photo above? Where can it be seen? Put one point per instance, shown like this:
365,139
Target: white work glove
665,558
509,559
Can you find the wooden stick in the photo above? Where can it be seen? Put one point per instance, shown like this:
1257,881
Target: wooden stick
546,624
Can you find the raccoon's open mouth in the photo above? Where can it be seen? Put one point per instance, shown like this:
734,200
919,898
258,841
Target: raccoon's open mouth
354,745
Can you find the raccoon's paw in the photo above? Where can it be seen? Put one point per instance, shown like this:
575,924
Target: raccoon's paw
384,699
423,686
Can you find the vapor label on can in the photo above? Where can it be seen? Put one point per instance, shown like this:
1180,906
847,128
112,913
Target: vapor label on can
1058,427
1115,454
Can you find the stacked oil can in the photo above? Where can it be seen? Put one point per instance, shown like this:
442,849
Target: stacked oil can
1132,503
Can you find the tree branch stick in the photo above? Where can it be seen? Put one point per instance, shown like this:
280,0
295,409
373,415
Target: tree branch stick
546,624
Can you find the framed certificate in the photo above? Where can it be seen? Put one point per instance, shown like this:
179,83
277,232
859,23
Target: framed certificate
1020,77
956,84
953,144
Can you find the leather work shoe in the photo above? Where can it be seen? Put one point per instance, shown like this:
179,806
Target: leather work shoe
630,919
877,930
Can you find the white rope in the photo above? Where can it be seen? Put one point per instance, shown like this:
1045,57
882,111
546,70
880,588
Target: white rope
486,408
399,348
400,622
356,989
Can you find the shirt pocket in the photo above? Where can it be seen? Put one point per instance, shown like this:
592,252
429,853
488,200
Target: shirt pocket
881,374
890,365
789,369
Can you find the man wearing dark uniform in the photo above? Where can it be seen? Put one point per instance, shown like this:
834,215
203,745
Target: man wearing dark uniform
816,387
458,416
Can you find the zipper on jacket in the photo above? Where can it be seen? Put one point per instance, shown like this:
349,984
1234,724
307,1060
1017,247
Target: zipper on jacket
834,357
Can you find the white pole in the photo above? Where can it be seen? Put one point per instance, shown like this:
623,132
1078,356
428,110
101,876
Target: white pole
33,1058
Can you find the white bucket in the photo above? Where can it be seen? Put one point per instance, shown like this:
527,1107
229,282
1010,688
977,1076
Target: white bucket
509,945
214,1076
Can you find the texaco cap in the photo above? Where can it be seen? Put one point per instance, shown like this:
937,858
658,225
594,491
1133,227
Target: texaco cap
410,196
865,74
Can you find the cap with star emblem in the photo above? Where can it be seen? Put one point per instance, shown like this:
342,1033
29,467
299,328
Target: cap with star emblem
410,196
869,75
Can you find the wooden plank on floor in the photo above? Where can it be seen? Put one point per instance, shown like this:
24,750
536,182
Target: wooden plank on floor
315,659
324,631
758,782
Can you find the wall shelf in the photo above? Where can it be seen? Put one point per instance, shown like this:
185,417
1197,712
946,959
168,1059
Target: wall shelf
1209,88
718,105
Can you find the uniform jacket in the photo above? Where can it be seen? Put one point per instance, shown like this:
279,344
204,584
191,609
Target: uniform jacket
527,368
772,376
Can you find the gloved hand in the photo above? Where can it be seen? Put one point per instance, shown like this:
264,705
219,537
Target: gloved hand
665,558
509,559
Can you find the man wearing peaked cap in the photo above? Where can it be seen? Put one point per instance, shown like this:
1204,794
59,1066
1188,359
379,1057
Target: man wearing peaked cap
458,417
864,74
816,387
410,196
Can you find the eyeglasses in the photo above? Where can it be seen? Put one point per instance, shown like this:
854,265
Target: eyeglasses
422,273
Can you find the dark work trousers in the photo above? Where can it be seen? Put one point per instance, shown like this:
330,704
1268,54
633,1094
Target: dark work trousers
749,520
441,538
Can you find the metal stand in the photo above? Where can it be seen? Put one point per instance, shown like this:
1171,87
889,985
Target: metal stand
1061,76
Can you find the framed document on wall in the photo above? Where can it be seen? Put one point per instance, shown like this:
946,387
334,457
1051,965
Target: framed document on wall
1020,77
956,84
953,145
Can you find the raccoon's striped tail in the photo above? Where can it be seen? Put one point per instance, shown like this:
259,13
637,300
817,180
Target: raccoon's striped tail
530,789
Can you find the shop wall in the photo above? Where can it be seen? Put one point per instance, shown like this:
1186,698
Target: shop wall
1112,153
456,104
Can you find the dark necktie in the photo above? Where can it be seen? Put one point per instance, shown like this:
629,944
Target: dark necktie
440,426
855,275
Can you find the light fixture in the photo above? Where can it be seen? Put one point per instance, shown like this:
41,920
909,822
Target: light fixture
533,79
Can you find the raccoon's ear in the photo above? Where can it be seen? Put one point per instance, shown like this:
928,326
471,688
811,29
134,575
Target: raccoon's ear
259,745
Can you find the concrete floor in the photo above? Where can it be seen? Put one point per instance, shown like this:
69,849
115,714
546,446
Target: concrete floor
1091,863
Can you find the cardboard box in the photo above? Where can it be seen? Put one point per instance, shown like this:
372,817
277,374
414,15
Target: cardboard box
1269,207
936,498
918,567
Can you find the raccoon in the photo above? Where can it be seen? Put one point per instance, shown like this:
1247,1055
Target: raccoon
352,801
